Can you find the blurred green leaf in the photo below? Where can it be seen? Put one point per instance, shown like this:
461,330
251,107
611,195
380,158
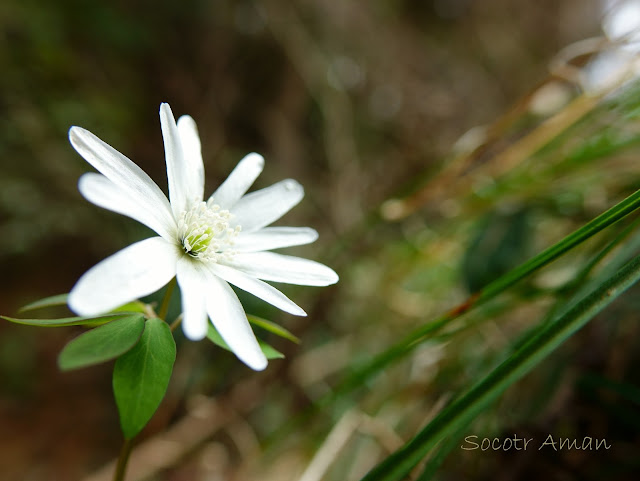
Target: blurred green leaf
270,352
626,390
69,321
59,300
601,145
273,328
102,343
141,376
464,409
134,306
611,216
500,244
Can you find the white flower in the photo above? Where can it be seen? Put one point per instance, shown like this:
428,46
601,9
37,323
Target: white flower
618,64
205,244
621,23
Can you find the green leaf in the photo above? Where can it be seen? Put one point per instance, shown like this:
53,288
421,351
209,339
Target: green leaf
214,336
102,343
273,328
464,409
500,244
134,306
595,381
141,376
69,321
269,351
59,300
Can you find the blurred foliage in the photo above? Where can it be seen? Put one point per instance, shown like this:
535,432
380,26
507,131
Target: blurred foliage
366,104
501,243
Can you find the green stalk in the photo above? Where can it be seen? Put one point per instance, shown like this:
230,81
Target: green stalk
123,460
364,373
479,397
407,344
164,306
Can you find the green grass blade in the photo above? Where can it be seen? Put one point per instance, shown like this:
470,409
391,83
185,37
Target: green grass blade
575,289
407,344
363,373
586,270
611,216
466,408
438,457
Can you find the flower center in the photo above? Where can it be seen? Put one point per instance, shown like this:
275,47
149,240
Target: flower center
205,232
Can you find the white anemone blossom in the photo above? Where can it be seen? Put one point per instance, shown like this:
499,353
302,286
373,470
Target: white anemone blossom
206,244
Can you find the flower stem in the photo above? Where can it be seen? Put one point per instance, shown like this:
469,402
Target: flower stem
174,325
164,307
123,459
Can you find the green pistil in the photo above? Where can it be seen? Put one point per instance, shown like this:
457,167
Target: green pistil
198,241
205,233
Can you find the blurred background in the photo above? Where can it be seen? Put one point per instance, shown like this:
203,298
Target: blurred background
366,104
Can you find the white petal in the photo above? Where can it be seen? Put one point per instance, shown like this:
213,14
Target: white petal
123,173
270,266
133,272
176,165
193,292
239,181
231,322
262,207
274,238
192,152
99,190
258,288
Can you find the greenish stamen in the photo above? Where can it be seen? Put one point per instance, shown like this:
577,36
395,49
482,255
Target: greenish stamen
206,233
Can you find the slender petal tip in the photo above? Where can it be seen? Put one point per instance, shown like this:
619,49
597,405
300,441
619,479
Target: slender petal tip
335,278
195,331
293,186
254,159
259,364
239,181
187,120
75,134
330,276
